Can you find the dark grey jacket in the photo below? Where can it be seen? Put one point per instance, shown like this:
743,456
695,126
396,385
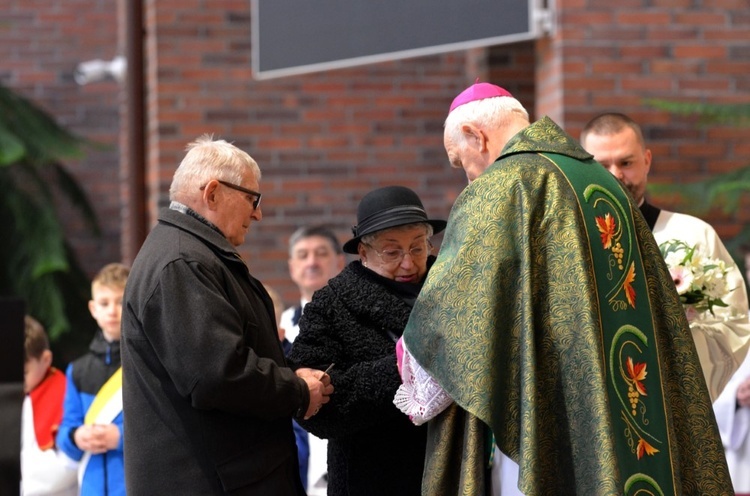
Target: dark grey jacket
207,396
373,448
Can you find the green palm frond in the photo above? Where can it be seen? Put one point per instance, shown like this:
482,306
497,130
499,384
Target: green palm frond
77,197
23,126
707,113
724,191
39,253
11,148
36,262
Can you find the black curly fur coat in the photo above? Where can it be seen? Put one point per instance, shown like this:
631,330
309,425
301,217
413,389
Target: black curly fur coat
373,448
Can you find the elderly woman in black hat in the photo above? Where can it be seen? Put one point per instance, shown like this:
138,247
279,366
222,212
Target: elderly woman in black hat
354,323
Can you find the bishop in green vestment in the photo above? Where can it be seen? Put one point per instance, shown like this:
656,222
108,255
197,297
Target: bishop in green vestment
549,318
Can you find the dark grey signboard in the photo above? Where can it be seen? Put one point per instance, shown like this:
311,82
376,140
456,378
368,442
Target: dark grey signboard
299,36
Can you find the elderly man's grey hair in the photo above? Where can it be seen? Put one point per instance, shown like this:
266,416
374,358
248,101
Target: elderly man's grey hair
489,112
208,159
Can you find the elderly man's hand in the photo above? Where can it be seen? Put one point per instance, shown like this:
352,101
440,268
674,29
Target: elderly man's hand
320,387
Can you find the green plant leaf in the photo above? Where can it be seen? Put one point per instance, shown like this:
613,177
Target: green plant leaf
722,190
37,264
11,148
706,113
42,138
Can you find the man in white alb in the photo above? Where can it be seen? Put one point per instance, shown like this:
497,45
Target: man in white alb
616,141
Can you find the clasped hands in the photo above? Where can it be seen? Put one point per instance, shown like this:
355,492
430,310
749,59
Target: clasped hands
97,438
320,387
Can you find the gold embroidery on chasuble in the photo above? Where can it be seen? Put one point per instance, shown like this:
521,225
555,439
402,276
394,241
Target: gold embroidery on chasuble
637,408
524,320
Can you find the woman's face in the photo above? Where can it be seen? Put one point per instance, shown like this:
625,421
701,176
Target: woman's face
399,253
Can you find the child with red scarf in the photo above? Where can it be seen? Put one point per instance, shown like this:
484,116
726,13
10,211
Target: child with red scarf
42,471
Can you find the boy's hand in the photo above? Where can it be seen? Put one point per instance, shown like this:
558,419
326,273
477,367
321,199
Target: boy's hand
97,438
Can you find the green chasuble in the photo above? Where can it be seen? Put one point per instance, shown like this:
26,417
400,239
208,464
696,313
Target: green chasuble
551,320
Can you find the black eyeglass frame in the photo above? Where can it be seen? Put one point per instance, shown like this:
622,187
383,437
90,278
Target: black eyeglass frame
256,202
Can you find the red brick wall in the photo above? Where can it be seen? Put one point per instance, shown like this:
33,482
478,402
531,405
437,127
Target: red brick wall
323,140
41,43
615,58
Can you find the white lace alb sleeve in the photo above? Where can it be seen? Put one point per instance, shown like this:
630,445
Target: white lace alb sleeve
419,396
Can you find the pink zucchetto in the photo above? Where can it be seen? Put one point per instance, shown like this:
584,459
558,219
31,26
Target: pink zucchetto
478,91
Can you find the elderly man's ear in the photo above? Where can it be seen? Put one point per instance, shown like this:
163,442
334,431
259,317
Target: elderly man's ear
209,194
475,137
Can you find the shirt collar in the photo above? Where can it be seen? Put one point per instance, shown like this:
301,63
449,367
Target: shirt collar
181,207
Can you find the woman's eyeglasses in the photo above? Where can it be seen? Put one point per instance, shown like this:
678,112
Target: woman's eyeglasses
395,256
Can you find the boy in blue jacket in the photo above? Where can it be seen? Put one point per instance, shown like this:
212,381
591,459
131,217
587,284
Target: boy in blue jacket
91,430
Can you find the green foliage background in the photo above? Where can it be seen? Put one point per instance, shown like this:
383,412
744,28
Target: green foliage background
36,262
723,191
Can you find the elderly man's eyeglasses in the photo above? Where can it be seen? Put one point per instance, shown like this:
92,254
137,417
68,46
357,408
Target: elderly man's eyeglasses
395,256
255,202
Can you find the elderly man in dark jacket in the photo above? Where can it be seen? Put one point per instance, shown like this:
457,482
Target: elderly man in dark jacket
208,397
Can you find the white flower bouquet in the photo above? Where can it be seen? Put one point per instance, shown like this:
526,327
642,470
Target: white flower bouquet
700,281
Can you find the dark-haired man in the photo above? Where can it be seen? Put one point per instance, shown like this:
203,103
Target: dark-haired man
616,141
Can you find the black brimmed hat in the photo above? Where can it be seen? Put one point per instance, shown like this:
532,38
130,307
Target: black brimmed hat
388,207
